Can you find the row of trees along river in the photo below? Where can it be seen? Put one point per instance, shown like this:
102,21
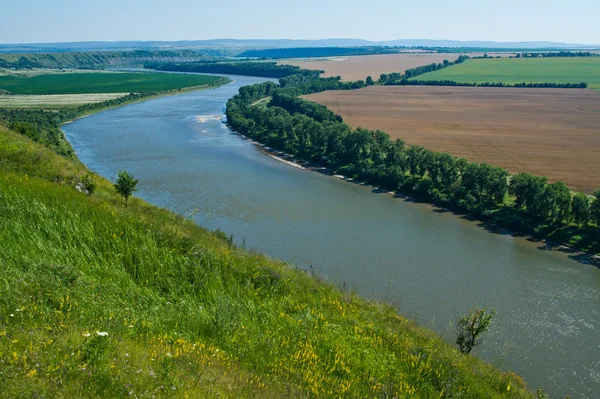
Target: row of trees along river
312,132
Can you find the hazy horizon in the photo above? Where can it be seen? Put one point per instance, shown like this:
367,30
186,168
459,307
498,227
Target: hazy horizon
382,20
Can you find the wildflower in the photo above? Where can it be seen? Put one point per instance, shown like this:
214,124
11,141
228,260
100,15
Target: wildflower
11,315
102,333
508,387
169,354
85,334
32,373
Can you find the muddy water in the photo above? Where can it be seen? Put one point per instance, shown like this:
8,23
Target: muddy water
432,266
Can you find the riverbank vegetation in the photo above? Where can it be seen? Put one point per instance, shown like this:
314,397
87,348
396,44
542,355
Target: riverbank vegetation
103,300
312,132
247,68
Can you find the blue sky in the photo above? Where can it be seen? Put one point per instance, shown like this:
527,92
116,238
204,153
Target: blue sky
28,21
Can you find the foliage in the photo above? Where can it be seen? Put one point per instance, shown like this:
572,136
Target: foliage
559,54
125,184
298,127
471,327
581,209
395,78
511,71
581,85
96,59
100,300
248,68
102,82
309,52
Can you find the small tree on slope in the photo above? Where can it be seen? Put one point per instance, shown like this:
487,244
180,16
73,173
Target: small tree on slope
126,184
470,327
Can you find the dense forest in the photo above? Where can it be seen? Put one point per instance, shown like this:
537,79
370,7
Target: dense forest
265,69
310,52
97,59
312,132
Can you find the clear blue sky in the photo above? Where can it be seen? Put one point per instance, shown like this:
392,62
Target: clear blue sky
27,21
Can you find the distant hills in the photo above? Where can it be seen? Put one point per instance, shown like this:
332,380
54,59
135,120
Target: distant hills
242,44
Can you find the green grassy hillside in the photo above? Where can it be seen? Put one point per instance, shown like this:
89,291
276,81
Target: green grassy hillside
100,82
518,70
102,300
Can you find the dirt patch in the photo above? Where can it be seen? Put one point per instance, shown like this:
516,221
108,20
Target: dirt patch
548,132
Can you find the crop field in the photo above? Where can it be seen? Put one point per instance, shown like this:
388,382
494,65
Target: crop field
358,68
547,132
517,70
54,101
86,83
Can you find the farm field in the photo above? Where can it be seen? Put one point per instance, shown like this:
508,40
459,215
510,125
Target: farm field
548,132
358,68
54,101
86,83
517,70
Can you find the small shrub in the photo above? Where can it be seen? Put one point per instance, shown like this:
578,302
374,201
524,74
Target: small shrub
470,328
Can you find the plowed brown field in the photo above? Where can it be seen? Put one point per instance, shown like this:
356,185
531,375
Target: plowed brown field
358,68
548,132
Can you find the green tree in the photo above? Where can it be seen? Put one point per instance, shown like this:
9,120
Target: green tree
126,184
581,209
595,209
369,81
470,328
562,201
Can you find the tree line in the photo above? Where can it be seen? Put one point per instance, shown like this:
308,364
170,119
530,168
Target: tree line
581,85
312,132
309,52
386,79
247,68
559,54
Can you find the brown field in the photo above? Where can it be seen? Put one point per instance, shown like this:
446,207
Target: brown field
359,67
548,132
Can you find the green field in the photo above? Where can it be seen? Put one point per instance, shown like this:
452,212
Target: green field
101,82
518,70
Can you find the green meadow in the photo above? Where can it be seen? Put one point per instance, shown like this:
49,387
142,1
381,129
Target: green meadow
99,299
518,70
101,82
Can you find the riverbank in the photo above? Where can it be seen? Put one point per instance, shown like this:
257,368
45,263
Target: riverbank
160,94
491,225
108,300
431,266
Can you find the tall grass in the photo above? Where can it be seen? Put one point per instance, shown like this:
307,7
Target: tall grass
102,300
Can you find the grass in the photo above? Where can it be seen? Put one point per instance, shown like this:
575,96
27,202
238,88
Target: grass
100,82
518,70
186,313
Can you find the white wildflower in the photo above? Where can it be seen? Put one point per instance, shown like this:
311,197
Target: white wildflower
102,333
86,334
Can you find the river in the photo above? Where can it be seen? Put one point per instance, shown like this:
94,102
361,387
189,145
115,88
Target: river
432,265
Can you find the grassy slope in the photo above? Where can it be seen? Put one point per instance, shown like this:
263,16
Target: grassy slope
187,315
84,83
517,70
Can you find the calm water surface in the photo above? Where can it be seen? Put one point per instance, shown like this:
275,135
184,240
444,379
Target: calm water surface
432,266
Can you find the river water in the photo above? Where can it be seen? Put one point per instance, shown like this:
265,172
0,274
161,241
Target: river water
432,265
